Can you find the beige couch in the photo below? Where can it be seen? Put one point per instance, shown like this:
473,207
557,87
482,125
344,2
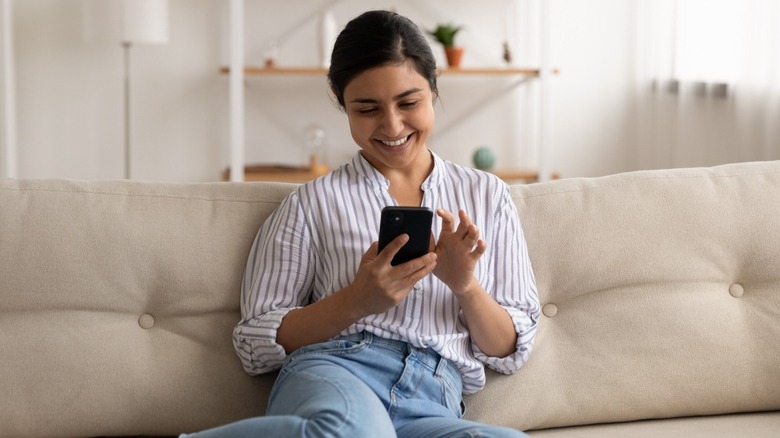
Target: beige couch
660,294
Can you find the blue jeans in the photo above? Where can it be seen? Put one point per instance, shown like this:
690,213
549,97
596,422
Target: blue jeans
363,386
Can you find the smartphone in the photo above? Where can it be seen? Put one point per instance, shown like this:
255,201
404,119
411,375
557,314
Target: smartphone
414,221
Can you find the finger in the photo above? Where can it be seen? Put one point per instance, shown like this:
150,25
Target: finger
465,222
464,217
416,269
422,272
479,249
447,220
390,250
472,236
370,253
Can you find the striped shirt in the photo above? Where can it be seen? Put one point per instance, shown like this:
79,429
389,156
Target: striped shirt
312,244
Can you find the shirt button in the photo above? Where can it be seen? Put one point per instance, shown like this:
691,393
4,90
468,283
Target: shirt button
417,286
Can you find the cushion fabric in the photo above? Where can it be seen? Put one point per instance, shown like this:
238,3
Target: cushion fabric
660,294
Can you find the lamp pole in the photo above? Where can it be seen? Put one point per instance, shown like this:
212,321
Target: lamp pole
7,92
129,22
126,46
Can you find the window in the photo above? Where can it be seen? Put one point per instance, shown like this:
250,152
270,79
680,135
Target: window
710,40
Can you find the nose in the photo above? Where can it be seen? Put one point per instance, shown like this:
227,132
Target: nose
392,124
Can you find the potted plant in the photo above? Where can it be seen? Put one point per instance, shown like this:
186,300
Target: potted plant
445,35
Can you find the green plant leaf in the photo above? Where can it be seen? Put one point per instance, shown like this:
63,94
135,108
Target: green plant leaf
445,34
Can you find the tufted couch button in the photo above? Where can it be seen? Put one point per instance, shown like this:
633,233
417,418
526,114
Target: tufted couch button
550,310
736,290
146,321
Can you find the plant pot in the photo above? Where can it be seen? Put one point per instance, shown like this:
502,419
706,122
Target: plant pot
454,56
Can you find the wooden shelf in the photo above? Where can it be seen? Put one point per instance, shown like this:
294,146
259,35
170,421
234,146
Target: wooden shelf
320,71
498,71
304,174
282,173
277,174
520,175
536,75
281,71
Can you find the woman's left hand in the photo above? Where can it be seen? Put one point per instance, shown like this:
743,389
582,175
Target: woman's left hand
457,250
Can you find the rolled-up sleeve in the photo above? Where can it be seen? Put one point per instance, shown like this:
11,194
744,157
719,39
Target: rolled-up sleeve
277,279
514,286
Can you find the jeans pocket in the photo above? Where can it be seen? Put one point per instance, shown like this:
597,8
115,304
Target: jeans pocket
452,389
335,347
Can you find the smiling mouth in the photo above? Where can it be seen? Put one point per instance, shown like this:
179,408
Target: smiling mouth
398,142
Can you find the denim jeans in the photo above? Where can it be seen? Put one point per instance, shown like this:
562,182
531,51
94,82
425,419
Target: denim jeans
363,386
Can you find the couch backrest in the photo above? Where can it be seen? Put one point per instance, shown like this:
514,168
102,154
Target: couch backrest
660,293
117,305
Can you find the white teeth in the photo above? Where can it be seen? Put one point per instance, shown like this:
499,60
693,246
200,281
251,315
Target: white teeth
396,142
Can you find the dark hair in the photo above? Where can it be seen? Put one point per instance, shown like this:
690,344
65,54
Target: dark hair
374,39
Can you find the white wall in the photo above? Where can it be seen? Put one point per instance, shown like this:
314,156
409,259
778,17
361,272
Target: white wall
593,106
70,96
70,91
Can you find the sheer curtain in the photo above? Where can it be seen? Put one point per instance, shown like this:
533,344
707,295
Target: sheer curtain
708,81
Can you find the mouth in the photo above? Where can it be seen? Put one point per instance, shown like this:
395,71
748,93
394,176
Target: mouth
395,143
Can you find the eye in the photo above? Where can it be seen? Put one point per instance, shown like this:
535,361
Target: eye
409,104
366,111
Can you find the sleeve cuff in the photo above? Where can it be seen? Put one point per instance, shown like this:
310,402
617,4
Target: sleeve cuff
255,342
525,330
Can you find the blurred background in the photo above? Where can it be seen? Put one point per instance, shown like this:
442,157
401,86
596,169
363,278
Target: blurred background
640,84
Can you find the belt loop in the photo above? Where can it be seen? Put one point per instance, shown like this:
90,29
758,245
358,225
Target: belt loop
368,337
441,366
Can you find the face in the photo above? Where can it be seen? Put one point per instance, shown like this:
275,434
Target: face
390,112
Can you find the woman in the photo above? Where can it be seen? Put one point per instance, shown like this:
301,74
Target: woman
367,348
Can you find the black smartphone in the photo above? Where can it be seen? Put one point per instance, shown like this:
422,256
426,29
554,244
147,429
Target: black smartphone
414,221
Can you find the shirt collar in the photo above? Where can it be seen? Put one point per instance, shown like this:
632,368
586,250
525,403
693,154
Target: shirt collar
367,171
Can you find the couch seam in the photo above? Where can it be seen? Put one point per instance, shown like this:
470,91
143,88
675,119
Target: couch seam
131,195
639,178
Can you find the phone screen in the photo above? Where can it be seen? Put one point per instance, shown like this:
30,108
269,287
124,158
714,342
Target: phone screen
414,221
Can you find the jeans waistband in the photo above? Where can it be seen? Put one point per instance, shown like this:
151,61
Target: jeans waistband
426,356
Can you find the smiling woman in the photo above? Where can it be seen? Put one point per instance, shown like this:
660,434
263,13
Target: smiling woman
366,347
390,112
388,96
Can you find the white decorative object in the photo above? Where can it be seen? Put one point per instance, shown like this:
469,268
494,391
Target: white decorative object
314,142
327,32
127,22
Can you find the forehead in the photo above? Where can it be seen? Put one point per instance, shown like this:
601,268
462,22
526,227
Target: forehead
385,81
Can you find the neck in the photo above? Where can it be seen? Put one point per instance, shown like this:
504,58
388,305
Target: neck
405,184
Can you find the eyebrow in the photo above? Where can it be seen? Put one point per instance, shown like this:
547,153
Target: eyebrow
395,98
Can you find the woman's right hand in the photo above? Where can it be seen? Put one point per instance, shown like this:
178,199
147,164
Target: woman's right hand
379,286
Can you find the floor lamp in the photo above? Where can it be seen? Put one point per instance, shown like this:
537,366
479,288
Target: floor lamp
8,156
128,22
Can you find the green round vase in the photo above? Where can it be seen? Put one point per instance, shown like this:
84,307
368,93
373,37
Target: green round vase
484,158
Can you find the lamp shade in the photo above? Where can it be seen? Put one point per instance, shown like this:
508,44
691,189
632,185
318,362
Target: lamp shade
126,21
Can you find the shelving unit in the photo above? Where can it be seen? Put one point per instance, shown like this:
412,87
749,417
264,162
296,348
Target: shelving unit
319,71
238,71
